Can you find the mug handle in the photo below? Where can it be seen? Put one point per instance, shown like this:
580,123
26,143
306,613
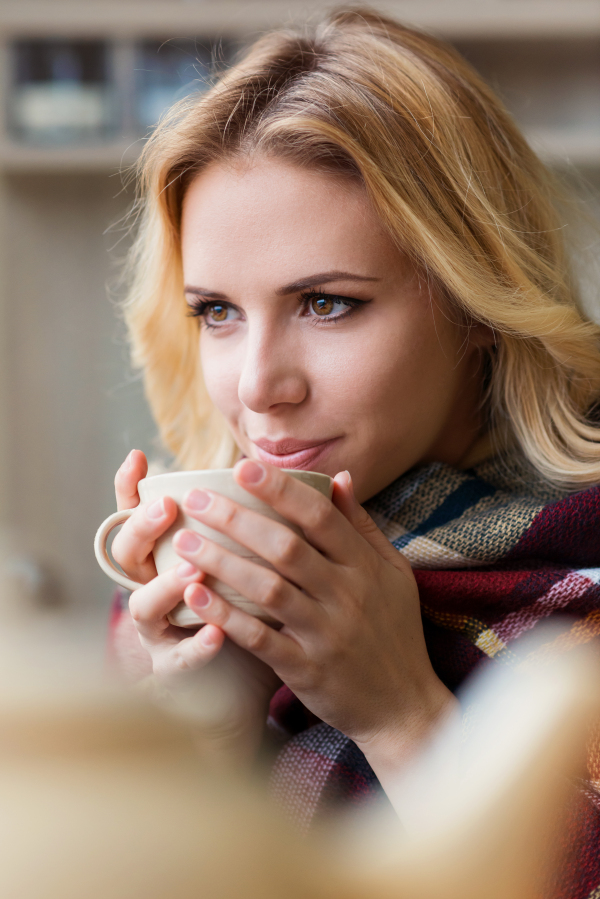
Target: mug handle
104,560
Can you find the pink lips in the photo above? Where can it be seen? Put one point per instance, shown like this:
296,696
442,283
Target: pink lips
291,453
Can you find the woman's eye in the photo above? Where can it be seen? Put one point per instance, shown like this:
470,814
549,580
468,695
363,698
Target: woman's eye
213,314
324,306
217,313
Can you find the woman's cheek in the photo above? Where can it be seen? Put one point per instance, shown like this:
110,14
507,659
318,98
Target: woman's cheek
221,378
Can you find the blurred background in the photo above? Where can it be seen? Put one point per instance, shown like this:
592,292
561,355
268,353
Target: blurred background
82,84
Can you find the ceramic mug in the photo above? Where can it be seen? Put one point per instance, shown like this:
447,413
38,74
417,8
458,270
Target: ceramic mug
176,484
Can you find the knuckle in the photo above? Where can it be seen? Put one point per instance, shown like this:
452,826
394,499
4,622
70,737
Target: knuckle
275,488
273,593
257,636
321,514
229,514
290,548
125,490
136,606
139,525
127,552
220,612
117,551
280,486
222,566
134,565
367,525
180,663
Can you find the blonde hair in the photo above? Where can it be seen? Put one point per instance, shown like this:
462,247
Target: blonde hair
451,178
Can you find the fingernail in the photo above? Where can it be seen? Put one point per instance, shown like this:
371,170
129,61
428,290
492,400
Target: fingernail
252,472
207,636
197,500
188,541
186,570
127,463
349,483
200,598
156,510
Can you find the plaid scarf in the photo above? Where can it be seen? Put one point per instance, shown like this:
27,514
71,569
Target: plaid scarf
495,552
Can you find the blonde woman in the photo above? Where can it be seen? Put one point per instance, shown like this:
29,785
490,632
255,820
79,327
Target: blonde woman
349,260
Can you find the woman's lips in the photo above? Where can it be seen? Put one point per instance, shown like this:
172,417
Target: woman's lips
293,453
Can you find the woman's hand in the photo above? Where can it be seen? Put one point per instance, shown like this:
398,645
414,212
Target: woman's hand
351,646
230,697
133,545
149,606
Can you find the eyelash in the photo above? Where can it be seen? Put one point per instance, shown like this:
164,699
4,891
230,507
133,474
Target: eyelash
352,304
199,308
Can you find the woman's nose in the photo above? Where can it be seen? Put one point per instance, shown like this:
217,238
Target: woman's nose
271,374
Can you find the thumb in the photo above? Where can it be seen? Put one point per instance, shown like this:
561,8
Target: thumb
344,500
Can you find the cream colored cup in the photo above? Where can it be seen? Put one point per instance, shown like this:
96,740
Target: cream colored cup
176,485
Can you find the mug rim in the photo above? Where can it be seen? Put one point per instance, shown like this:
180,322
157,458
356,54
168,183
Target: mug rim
194,471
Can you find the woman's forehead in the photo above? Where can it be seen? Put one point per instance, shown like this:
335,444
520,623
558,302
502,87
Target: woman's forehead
270,192
279,216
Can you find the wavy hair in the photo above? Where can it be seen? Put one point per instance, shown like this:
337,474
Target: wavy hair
451,178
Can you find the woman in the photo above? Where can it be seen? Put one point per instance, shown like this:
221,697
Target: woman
350,261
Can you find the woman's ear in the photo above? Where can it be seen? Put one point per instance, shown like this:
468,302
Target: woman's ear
482,336
479,336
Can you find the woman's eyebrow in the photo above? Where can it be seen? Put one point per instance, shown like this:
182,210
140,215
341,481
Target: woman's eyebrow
322,278
295,287
201,292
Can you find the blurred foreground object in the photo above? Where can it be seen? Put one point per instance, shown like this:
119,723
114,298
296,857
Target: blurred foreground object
103,796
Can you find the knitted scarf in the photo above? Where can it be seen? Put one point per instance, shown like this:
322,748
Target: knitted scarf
495,552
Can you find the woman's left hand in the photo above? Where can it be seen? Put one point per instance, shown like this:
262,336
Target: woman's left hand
351,646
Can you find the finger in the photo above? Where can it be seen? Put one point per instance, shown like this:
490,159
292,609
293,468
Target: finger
294,558
192,653
324,525
133,545
344,499
276,649
150,605
133,469
268,589
343,494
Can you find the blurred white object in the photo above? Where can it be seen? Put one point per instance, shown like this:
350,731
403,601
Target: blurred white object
47,109
479,812
62,90
515,714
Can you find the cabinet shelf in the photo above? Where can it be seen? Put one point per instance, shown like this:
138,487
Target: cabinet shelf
239,18
517,45
557,148
109,156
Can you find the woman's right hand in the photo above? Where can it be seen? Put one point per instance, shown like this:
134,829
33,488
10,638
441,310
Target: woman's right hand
172,649
242,684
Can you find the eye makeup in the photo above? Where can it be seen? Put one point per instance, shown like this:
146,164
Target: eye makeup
322,308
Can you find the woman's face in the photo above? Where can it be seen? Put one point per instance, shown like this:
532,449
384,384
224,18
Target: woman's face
320,344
